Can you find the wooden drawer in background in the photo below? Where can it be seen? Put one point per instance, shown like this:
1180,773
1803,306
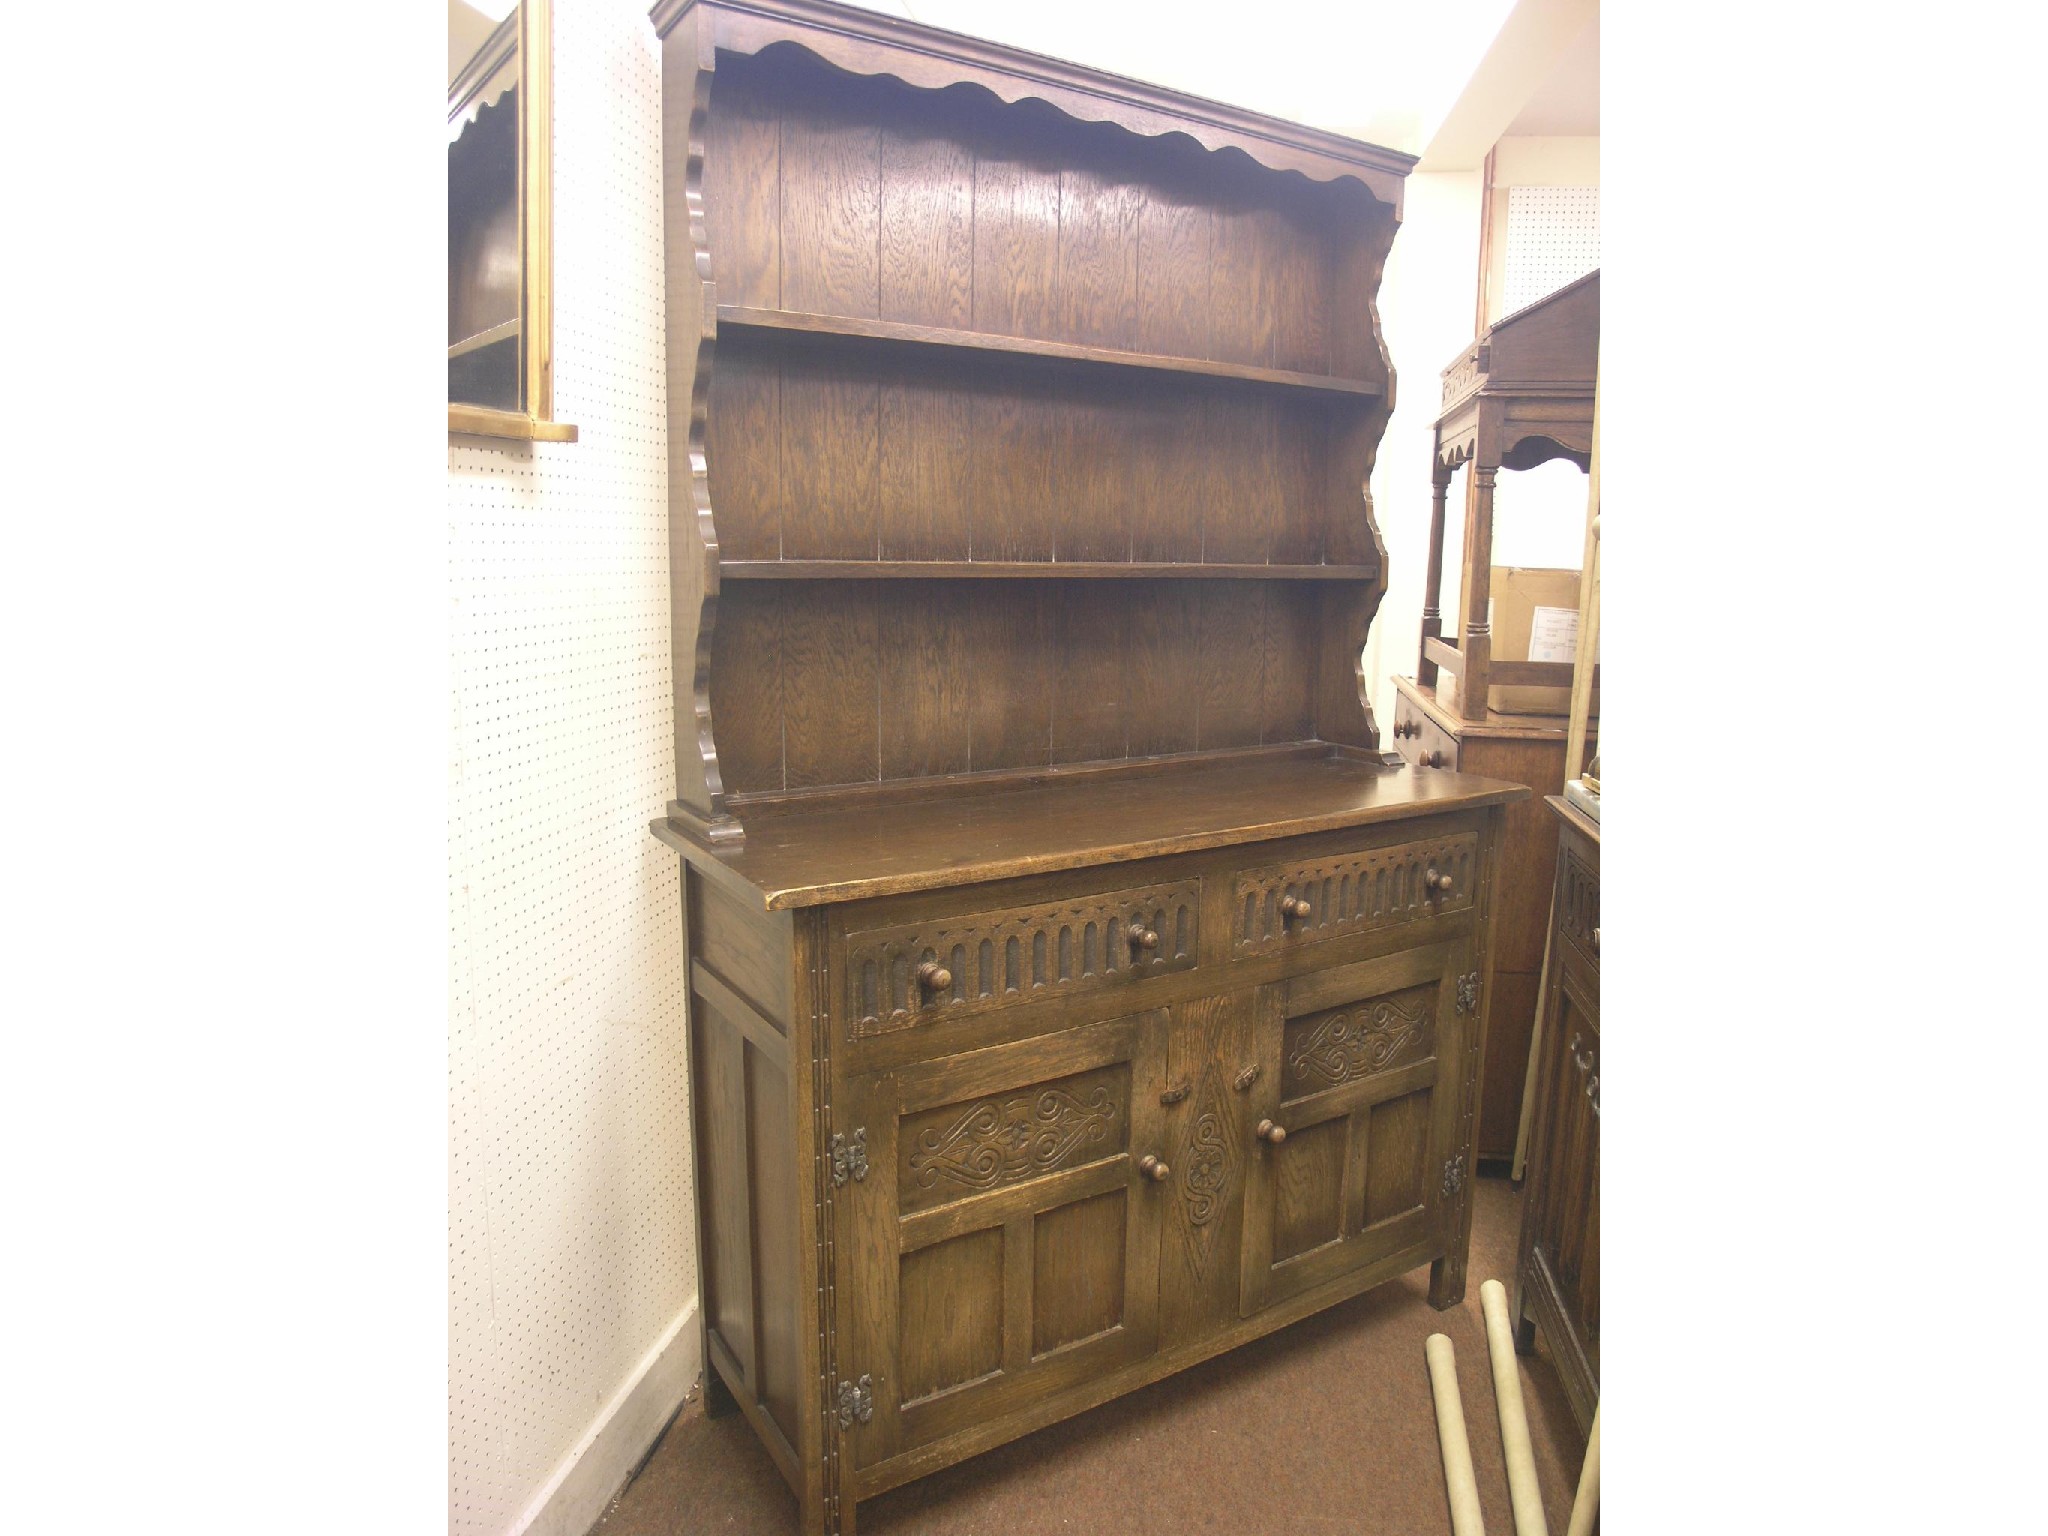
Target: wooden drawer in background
1420,740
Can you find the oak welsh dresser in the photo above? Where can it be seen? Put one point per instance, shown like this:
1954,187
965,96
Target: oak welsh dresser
1076,988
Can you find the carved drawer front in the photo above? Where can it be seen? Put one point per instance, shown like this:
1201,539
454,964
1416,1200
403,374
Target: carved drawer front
1578,898
948,968
1005,1240
1284,904
1353,1143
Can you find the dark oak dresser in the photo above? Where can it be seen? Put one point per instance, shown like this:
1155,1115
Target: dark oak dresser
1557,1265
1076,988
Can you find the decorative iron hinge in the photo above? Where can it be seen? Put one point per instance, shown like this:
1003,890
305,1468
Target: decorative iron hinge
856,1401
1454,1174
1468,992
849,1157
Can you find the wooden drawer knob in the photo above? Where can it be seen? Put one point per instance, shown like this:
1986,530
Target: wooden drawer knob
1267,1131
1154,1169
934,977
1295,906
1142,937
1429,759
1433,881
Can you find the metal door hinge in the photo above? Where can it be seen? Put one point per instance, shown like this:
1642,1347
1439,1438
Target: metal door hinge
1454,1174
856,1401
849,1157
1468,992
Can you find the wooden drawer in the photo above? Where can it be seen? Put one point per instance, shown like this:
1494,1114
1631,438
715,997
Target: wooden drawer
1352,893
1420,740
1074,946
1578,894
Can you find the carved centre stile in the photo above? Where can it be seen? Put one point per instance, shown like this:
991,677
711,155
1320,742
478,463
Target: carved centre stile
1209,1164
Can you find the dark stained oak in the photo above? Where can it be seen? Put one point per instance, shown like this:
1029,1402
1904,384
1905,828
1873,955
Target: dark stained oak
1076,987
801,853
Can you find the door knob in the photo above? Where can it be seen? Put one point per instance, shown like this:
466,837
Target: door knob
1154,1169
1267,1131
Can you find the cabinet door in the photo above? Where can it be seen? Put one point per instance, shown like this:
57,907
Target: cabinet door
1564,1151
1353,1118
1005,1239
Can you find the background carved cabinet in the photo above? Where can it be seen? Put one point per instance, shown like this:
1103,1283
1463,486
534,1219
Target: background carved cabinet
1077,989
1557,1269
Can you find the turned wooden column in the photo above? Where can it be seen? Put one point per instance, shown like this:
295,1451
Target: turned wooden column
1433,583
1476,646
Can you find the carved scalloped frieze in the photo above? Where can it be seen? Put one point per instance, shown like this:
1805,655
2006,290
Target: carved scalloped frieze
928,58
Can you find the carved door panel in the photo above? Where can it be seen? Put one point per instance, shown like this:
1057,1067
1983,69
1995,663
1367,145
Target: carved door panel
1354,1116
1005,1240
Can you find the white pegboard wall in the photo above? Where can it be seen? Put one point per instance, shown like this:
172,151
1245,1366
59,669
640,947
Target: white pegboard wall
570,1235
1553,238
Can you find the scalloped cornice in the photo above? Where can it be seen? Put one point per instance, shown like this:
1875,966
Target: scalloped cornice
867,43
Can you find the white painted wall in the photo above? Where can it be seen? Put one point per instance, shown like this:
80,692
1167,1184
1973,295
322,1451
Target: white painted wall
572,1263
1427,312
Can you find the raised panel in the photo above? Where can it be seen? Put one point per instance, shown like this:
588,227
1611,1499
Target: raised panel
987,1143
1307,1185
1078,1271
950,1326
1004,1241
1396,1149
1356,893
1013,955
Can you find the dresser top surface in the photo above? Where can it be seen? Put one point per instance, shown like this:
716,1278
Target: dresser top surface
799,857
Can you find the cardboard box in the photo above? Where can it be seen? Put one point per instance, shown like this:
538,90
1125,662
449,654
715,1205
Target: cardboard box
1534,616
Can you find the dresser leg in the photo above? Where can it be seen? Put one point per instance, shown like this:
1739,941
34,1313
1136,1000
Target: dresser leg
1447,1281
1525,1336
718,1399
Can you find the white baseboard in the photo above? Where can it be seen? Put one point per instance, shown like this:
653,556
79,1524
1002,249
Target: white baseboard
593,1472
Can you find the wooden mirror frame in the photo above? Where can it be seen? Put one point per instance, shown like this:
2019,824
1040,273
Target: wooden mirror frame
531,25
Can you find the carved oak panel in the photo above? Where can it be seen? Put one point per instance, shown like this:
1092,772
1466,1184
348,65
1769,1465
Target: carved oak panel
1015,955
1578,902
1356,893
969,1148
1334,1046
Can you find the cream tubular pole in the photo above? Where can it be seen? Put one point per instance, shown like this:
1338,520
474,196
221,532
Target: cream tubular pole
1450,1433
1586,1507
1514,1419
